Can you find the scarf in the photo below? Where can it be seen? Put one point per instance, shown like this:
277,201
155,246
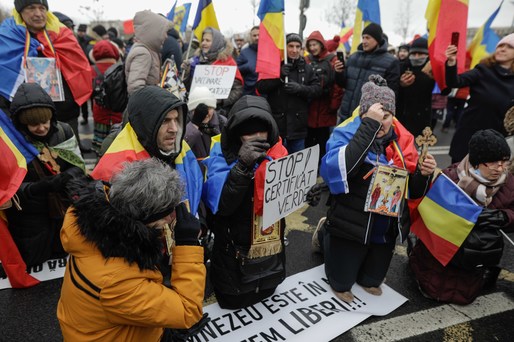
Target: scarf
477,187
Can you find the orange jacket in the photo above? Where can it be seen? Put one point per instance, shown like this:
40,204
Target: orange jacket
111,300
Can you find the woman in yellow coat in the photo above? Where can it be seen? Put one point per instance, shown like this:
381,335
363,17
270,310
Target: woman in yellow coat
112,289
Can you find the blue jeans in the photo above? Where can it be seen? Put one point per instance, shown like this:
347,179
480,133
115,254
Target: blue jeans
294,145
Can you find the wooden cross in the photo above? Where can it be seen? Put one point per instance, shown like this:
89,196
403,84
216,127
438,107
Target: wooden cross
48,157
423,141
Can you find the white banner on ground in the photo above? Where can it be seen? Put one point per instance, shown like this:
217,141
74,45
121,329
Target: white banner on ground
303,308
218,78
50,269
288,180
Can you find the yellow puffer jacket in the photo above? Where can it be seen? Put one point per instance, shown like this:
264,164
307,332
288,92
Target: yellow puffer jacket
110,300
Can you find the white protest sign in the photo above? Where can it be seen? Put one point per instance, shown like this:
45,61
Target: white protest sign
218,78
288,180
303,308
50,269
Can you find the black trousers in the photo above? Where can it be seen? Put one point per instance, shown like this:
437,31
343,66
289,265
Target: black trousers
348,262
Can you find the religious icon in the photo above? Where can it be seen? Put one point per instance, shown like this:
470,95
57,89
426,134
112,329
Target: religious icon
424,141
44,72
386,190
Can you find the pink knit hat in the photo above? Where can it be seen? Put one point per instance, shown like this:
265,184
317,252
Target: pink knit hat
508,39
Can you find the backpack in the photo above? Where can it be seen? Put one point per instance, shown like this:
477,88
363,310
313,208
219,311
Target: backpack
111,92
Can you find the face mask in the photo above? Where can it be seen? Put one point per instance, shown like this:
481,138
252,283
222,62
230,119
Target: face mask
416,62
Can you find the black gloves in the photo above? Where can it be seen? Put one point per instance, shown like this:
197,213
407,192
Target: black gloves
293,88
54,183
200,113
285,69
491,219
251,151
187,228
314,195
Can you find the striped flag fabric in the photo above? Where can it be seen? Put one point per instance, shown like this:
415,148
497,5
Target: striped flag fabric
368,11
16,152
205,17
446,217
440,29
345,34
126,148
270,51
485,40
171,13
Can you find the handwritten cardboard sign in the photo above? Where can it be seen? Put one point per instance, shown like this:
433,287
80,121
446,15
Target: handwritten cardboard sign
288,180
218,78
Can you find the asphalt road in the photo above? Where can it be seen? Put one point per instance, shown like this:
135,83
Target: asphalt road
30,314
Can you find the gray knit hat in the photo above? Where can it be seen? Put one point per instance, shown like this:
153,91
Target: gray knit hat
377,91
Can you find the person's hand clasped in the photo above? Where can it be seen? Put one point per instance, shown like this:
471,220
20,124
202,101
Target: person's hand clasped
407,79
285,69
252,150
292,87
428,166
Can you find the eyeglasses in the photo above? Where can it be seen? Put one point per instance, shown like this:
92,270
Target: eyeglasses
499,164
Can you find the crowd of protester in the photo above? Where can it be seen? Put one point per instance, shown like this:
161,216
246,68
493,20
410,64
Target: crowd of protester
176,169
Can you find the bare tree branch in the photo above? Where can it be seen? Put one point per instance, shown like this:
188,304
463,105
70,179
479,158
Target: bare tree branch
341,11
403,19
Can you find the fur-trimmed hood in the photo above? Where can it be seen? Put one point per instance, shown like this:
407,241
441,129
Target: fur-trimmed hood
113,234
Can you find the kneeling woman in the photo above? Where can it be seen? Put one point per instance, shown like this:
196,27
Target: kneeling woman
358,244
247,262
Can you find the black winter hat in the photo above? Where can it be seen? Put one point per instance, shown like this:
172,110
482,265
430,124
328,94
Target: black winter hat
21,4
375,31
488,146
419,45
199,114
82,28
293,37
252,125
100,30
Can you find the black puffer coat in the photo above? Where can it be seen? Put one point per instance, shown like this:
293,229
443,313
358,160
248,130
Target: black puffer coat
359,67
233,221
291,111
35,233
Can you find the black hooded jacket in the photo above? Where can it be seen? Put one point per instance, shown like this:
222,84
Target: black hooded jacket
233,222
147,109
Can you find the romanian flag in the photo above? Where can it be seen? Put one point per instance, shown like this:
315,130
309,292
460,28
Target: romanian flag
485,40
205,17
270,51
126,148
345,34
401,153
453,18
368,11
57,41
16,152
446,216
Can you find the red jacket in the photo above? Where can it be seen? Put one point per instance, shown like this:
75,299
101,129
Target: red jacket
323,110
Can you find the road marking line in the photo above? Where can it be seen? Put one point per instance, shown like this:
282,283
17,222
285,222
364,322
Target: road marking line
434,319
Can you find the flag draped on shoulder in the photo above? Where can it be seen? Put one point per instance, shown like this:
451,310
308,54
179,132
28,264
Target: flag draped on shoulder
402,153
270,51
485,40
368,11
218,170
56,41
16,152
453,18
446,216
205,17
127,148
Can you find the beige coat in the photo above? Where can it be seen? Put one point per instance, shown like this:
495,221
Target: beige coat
143,63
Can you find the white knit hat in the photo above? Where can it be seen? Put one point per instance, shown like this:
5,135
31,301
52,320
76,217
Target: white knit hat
201,95
508,39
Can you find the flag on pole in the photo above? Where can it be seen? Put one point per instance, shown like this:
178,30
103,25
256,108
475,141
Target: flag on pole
440,29
171,13
205,17
270,51
345,34
183,13
485,40
446,216
368,11
16,152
